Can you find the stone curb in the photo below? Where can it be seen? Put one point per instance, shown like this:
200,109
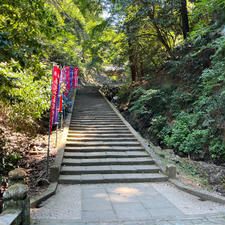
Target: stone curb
35,201
11,216
55,168
205,195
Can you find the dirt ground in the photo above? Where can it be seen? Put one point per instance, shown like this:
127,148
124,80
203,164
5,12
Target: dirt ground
32,155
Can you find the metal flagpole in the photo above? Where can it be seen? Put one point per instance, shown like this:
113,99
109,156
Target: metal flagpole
49,130
56,137
64,107
61,113
61,120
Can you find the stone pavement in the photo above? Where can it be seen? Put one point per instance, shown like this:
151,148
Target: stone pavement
127,204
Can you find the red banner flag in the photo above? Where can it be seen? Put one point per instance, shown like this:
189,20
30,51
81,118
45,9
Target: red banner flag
68,73
55,117
66,86
61,90
55,82
60,103
75,77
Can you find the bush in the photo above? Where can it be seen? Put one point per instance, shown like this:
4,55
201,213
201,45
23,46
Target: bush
24,95
185,136
217,149
8,159
124,94
151,102
179,101
159,128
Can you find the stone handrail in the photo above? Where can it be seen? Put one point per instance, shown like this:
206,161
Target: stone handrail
16,208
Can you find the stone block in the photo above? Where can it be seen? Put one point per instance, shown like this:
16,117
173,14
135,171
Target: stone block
16,198
171,171
54,173
17,176
16,192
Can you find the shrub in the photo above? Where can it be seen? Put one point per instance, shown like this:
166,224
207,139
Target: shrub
217,149
179,101
159,127
124,94
186,136
152,101
24,95
8,158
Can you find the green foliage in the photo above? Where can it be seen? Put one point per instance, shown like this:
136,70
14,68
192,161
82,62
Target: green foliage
217,149
33,35
179,101
28,96
186,137
159,128
8,159
189,137
210,10
149,102
124,94
195,112
213,77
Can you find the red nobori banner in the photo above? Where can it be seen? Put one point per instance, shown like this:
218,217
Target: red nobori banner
66,82
68,78
55,83
75,77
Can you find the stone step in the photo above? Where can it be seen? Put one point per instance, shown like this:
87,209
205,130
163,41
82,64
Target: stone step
114,129
77,117
103,143
106,120
86,113
107,161
78,139
88,135
100,155
111,178
94,109
111,131
103,149
101,126
109,169
94,124
100,148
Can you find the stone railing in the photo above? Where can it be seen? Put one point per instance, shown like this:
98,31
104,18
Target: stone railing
16,207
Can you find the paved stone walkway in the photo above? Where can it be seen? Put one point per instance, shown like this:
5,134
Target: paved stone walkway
127,204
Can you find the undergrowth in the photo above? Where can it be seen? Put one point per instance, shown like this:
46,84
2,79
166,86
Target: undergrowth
188,115
23,96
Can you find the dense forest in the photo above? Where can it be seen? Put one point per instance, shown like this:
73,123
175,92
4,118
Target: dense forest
172,52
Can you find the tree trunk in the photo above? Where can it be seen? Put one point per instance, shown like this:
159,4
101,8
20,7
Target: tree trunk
142,69
132,69
133,63
184,16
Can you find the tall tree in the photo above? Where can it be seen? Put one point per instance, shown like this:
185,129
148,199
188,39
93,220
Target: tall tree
184,16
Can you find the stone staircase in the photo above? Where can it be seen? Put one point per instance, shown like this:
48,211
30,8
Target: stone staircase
101,149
